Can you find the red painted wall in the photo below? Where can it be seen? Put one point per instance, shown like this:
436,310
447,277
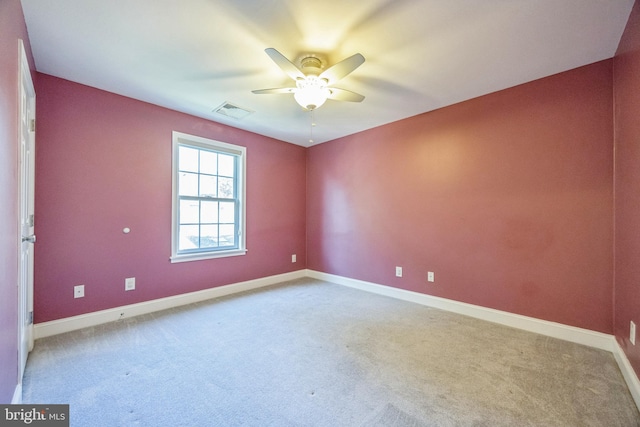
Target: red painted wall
104,163
12,28
627,187
507,198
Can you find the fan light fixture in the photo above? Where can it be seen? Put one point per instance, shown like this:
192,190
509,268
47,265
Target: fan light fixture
311,92
312,85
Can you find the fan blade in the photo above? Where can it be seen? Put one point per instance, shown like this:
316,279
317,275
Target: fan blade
275,90
344,95
286,65
342,68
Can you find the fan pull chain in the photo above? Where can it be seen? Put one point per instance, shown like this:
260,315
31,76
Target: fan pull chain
313,124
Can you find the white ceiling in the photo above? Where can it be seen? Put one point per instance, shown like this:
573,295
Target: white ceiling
194,55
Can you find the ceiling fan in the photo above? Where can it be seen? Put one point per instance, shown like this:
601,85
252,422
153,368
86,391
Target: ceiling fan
312,84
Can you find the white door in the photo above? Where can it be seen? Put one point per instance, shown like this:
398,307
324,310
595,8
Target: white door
26,192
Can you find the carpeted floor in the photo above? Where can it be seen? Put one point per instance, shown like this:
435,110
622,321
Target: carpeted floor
311,353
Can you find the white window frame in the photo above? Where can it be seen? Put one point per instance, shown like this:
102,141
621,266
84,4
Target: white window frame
183,139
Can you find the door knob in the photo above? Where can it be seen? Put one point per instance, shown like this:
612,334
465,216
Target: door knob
30,239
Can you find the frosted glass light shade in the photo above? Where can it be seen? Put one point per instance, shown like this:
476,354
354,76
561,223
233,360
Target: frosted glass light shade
311,93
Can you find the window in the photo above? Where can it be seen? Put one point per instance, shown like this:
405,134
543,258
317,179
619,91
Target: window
208,199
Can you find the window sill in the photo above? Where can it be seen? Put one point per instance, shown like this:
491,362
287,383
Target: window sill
209,255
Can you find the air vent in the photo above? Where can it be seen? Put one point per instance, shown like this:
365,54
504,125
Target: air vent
230,110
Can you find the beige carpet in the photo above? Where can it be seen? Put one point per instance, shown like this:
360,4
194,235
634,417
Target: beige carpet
311,353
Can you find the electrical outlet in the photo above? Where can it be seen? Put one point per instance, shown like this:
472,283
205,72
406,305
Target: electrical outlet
431,276
293,258
129,283
78,291
398,271
632,333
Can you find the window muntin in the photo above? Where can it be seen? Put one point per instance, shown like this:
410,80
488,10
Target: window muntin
208,198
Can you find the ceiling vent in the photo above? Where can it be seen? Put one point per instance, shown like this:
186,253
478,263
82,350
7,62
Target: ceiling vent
230,110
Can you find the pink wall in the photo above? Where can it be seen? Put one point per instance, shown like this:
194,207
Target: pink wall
104,163
507,198
627,188
12,28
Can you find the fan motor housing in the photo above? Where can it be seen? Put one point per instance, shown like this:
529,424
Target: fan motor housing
311,64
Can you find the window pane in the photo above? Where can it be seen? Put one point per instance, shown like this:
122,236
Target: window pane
226,165
188,184
209,212
208,162
227,235
225,188
188,159
227,212
208,186
189,212
209,236
188,237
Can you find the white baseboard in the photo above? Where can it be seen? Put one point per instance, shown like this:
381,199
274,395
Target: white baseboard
531,324
628,373
556,330
73,323
17,395
543,327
